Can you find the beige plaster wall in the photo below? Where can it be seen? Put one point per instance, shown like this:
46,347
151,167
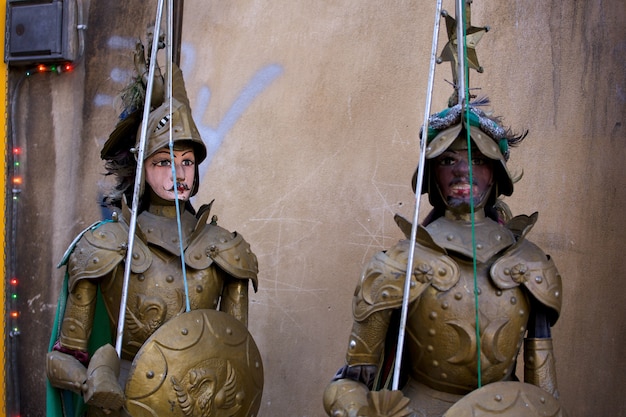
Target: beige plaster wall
311,110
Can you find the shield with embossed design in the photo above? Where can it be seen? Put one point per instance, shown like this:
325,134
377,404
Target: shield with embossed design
507,399
203,363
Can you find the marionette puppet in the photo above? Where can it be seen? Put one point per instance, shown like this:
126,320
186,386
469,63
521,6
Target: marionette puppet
159,278
444,339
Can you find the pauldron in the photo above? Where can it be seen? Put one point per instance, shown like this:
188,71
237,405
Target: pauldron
228,250
102,247
526,264
382,282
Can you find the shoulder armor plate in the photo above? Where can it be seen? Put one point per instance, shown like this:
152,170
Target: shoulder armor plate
525,263
382,283
101,249
228,250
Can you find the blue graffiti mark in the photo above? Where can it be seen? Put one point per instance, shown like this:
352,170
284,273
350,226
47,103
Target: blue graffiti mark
101,100
121,42
213,137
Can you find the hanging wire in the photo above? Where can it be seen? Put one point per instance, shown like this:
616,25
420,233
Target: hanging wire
464,98
138,175
418,192
170,25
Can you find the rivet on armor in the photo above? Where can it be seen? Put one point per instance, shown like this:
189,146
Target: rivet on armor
150,374
257,364
150,230
199,289
432,315
432,332
169,278
174,240
445,305
442,272
237,258
498,238
543,400
557,294
385,294
498,398
513,300
115,217
458,296
444,375
229,331
197,256
522,329
435,363
430,348
507,271
79,296
478,291
352,344
413,284
184,332
538,279
498,292
135,255
450,237
223,240
479,246
72,328
522,312
95,260
141,277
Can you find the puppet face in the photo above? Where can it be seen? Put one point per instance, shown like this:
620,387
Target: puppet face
158,167
451,170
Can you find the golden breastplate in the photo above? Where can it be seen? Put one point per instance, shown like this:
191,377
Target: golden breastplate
441,333
157,295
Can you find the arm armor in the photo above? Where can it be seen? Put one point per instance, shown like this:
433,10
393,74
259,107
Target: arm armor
540,365
228,250
95,253
234,299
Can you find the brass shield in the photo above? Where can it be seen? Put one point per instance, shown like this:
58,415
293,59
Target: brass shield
509,399
202,363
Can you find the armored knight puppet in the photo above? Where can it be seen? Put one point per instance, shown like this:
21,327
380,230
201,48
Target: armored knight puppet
517,295
185,349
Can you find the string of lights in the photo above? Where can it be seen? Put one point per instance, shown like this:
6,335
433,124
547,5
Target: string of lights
16,185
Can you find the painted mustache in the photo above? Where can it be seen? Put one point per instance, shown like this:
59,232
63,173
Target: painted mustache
180,186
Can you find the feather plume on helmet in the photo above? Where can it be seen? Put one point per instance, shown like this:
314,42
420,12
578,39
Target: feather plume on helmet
120,150
486,133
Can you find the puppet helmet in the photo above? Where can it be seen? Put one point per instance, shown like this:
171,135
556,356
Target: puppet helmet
493,141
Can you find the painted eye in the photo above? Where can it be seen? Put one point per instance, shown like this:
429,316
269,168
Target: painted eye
188,162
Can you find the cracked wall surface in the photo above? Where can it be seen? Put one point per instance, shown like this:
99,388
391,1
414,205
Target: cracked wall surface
311,113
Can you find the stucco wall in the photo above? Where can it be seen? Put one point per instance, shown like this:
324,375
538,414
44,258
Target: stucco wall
311,110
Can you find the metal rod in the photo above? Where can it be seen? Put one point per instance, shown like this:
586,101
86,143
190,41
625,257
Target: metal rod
138,175
418,192
460,45
177,32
